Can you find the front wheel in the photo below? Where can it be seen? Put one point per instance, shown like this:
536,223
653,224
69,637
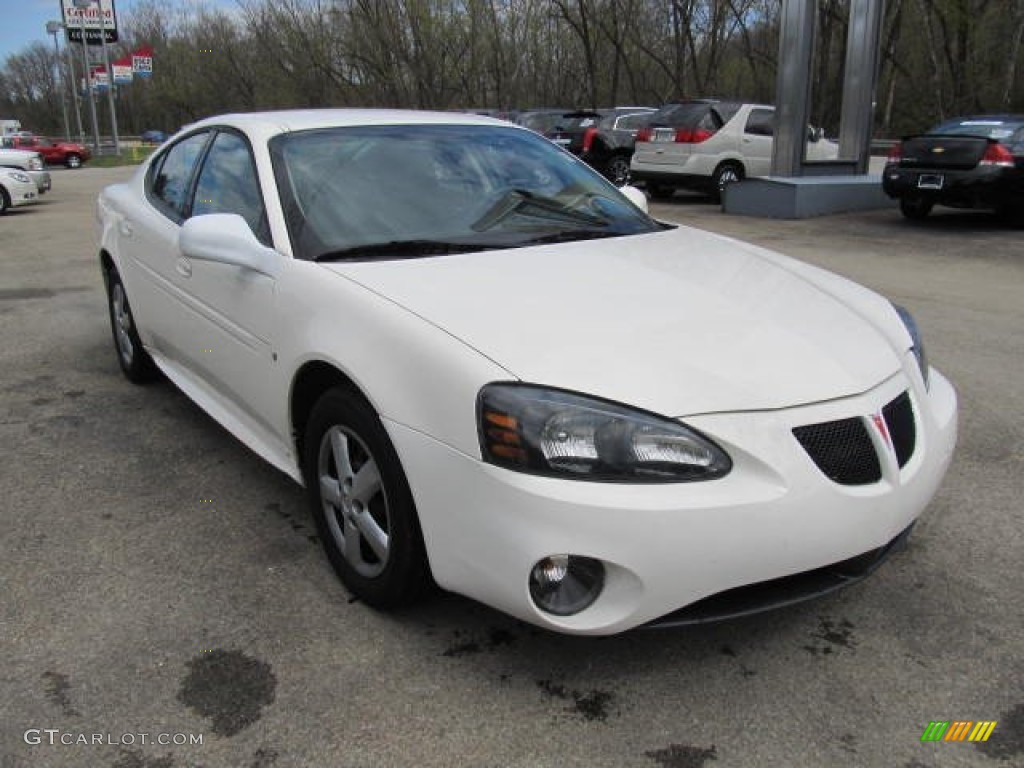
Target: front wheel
73,161
616,170
5,201
915,208
362,504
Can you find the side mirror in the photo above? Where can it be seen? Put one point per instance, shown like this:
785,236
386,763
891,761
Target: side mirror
635,196
225,238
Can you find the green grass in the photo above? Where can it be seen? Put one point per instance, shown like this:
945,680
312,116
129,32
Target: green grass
128,156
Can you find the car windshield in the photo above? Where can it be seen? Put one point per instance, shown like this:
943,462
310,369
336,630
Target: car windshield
986,128
403,191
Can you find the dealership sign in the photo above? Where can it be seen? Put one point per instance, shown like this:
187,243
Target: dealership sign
142,61
122,69
98,19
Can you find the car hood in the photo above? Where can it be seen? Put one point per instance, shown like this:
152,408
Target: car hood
678,322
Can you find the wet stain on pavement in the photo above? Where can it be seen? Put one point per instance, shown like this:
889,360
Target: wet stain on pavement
296,525
1007,740
133,759
229,687
835,634
682,756
18,294
57,687
465,645
591,706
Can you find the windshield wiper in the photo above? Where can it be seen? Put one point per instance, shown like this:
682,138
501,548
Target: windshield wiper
525,202
403,249
569,235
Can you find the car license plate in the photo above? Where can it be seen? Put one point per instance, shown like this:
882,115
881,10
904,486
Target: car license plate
930,181
664,135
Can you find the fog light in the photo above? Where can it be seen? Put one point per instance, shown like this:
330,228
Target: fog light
566,584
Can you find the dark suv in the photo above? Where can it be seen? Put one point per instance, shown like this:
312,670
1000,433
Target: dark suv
603,138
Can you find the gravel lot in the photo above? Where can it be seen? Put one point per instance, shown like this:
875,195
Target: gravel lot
158,579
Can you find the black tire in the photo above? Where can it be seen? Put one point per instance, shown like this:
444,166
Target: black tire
724,175
73,161
5,201
352,524
915,208
660,191
616,170
135,362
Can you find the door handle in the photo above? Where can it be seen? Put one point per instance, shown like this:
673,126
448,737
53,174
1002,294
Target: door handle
183,267
126,228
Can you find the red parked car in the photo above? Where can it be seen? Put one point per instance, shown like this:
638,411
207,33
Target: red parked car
54,153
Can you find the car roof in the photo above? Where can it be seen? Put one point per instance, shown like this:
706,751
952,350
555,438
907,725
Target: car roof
268,124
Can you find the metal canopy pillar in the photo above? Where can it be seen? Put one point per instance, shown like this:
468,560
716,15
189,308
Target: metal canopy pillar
793,86
793,89
861,77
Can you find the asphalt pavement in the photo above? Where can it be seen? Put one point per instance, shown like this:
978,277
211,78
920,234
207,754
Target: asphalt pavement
164,601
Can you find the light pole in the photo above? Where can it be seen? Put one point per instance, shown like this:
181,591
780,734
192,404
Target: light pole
110,80
52,28
82,5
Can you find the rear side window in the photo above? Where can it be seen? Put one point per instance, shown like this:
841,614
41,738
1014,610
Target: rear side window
632,122
169,184
760,122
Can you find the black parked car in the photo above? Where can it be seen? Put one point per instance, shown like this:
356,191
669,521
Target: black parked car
966,162
604,138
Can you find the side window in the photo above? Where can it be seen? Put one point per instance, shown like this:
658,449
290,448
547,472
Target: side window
228,184
760,122
632,122
169,184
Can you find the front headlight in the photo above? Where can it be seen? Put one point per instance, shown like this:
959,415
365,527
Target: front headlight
915,336
550,432
24,178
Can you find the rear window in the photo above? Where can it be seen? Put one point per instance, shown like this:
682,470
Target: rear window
995,128
679,115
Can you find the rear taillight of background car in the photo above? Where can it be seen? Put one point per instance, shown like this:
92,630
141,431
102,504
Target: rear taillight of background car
997,155
692,135
644,134
588,138
895,154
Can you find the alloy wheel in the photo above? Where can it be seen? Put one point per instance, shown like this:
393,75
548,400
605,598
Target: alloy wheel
354,502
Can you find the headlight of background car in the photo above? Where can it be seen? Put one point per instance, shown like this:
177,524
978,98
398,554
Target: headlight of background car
24,178
915,335
35,164
550,432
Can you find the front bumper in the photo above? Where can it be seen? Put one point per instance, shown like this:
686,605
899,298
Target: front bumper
666,547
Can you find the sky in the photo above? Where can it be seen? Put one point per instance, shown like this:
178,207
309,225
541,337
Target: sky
24,21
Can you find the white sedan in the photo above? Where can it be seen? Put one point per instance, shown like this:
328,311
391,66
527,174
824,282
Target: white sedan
16,188
492,370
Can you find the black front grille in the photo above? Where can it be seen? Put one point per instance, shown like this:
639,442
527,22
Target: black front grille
842,450
899,418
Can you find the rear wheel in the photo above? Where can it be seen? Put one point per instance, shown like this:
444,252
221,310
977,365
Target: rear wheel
724,175
73,161
915,208
136,364
361,502
616,170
